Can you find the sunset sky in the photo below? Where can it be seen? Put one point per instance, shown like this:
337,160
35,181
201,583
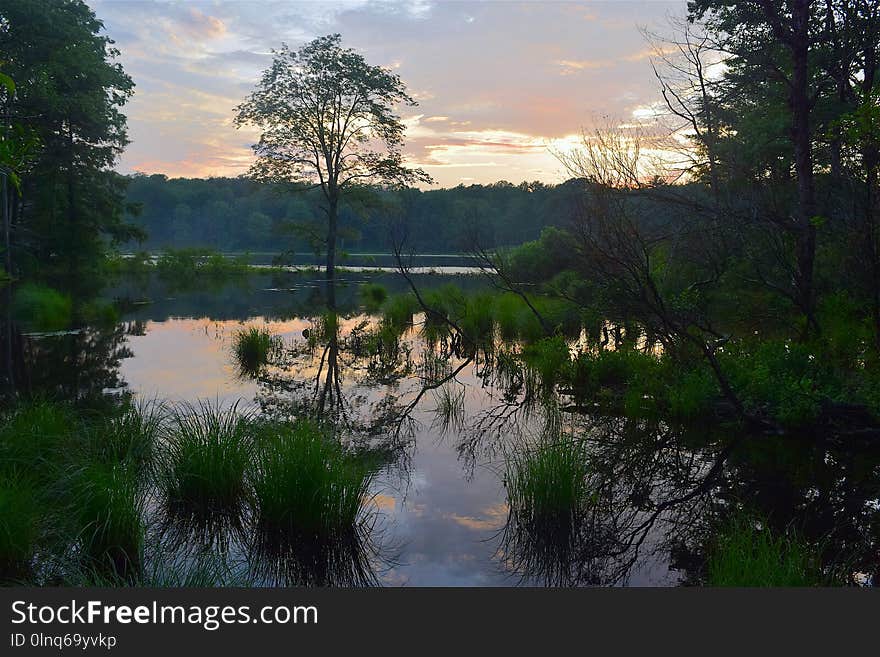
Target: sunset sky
499,84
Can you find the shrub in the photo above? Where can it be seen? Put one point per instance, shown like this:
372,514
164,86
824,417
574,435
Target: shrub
40,308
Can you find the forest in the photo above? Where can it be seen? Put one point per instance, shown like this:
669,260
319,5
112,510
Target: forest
236,215
672,356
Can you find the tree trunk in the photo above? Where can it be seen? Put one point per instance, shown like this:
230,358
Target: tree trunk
332,217
799,102
7,256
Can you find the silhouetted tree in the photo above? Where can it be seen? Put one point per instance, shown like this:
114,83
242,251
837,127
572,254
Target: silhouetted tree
328,118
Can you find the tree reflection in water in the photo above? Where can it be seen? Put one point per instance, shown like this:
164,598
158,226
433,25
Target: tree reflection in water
656,493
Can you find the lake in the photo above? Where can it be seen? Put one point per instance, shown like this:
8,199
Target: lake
439,513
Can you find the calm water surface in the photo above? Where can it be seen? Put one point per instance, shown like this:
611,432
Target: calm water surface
439,512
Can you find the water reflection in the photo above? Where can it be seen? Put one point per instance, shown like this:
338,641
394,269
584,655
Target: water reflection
443,419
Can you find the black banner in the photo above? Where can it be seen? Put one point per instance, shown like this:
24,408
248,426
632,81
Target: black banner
403,621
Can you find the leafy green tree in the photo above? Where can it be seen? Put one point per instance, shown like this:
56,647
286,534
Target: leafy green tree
328,118
69,93
18,145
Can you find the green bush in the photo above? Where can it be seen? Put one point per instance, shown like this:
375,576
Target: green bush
40,308
785,380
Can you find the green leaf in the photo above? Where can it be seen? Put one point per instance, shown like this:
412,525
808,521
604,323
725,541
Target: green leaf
7,83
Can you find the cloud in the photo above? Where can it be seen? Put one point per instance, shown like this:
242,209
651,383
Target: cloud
570,66
496,94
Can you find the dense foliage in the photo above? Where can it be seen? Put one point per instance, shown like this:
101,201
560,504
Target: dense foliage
67,98
235,214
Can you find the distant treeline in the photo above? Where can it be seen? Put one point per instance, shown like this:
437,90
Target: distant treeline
237,214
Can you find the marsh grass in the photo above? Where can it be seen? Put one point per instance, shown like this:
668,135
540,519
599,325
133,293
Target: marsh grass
206,457
32,437
162,571
282,559
554,533
449,412
306,484
548,485
252,348
128,436
373,296
398,311
747,553
549,359
110,510
20,519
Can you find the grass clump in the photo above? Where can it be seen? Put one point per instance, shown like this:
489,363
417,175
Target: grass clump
548,486
306,484
373,296
110,512
252,347
20,515
398,311
206,458
32,435
748,553
549,358
128,435
41,308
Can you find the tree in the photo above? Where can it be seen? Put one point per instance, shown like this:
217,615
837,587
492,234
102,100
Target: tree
69,93
328,118
18,146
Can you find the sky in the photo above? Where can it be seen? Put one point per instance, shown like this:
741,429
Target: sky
501,86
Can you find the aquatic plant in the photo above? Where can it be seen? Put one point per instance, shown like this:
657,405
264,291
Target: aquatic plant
127,435
555,533
449,410
306,484
373,296
550,359
398,311
179,264
20,516
252,348
41,308
31,437
206,456
548,484
477,321
109,509
746,552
